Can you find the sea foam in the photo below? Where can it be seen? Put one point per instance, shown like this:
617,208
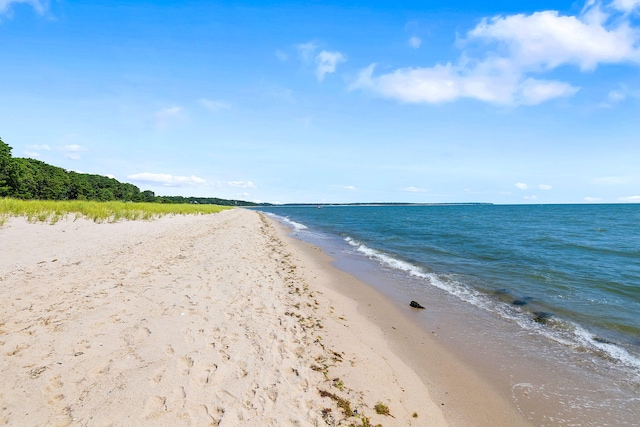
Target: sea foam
571,334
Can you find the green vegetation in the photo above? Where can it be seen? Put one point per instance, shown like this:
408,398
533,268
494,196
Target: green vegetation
54,210
342,403
30,179
381,409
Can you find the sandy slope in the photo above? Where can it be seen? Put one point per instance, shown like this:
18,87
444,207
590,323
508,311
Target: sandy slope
208,320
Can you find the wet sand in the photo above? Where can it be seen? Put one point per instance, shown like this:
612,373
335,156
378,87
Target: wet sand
483,369
465,397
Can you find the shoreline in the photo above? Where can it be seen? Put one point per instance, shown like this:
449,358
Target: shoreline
546,382
465,398
204,320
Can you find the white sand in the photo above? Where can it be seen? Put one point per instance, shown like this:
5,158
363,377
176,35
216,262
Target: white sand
208,320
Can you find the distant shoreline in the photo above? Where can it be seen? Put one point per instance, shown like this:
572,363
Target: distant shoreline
380,204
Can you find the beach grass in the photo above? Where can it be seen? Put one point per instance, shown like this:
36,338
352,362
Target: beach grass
52,211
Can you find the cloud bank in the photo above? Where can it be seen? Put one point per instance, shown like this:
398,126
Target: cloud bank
630,199
167,180
516,49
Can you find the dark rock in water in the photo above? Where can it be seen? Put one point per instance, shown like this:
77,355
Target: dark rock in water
415,304
519,302
602,340
542,317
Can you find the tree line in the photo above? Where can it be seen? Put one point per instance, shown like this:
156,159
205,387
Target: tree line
24,178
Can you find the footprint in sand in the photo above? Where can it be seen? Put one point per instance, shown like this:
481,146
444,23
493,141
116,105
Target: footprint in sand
154,406
202,415
54,396
142,332
207,375
18,349
157,377
186,363
176,399
242,370
98,372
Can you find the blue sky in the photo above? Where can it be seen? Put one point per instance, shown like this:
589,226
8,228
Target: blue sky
417,101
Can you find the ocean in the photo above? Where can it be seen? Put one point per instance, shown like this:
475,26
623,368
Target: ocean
543,285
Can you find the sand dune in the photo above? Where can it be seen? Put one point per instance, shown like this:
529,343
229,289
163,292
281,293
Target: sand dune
187,320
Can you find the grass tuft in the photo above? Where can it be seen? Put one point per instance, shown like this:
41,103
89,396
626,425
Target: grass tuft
342,403
53,211
381,409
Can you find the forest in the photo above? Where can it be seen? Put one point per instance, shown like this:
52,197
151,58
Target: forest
31,179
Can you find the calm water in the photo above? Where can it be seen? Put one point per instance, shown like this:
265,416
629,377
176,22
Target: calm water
569,273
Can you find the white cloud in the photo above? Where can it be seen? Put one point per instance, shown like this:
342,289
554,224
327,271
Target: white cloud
39,6
546,40
72,151
349,187
534,92
415,42
327,63
414,190
630,199
530,197
167,180
33,151
306,51
110,175
626,5
168,115
512,49
544,187
521,185
242,184
214,106
616,96
445,83
592,199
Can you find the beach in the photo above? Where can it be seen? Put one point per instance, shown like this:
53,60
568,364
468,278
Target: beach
211,320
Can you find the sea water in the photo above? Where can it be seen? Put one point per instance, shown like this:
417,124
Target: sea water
558,286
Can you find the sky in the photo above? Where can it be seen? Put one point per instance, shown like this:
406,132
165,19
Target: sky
504,102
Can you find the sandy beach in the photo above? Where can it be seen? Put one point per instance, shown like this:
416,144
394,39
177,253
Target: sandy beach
210,320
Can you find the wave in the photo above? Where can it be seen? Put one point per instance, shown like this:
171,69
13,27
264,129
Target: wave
293,224
559,330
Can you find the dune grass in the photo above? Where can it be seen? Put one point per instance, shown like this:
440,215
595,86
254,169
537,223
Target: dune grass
53,210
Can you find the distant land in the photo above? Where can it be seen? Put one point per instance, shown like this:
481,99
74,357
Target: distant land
31,179
374,204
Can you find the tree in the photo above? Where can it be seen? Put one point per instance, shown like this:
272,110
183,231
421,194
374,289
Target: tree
5,159
21,178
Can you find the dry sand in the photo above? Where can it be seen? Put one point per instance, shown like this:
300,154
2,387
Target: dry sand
189,320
